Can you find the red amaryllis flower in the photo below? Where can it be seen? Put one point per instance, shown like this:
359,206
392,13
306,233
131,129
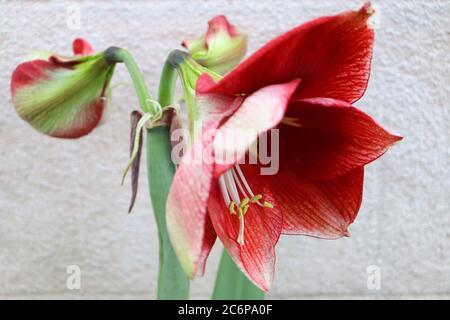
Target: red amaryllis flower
303,83
59,96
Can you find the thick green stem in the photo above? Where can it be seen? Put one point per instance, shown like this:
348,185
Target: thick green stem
232,284
173,282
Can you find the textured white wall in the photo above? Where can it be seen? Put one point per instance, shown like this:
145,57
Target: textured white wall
61,202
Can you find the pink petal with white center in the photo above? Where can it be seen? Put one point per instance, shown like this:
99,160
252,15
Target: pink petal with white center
186,211
259,112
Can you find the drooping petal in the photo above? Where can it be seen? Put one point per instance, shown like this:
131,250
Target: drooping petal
259,112
61,98
135,117
323,209
326,138
262,227
331,55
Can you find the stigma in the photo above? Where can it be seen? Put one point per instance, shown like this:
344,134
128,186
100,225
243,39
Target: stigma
238,197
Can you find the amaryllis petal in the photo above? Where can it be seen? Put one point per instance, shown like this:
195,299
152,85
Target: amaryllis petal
213,107
321,209
186,209
262,227
331,55
82,47
135,117
258,113
63,99
326,138
209,238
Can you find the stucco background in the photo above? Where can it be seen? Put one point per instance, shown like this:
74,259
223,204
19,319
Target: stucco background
61,202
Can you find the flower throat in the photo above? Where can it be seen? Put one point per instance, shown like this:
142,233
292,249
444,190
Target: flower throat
238,196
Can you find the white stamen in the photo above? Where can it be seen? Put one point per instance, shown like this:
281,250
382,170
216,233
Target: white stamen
231,187
232,196
239,183
223,189
244,181
241,175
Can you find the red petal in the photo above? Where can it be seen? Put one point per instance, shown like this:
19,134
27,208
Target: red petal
259,112
256,257
214,108
219,24
326,138
81,47
321,209
331,55
209,238
30,72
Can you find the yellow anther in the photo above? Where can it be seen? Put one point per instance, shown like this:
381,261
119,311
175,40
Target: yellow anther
244,202
241,212
267,205
256,198
244,209
231,207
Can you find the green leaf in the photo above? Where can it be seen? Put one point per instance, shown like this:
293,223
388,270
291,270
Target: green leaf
232,284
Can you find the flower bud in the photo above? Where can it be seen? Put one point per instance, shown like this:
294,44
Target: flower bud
221,48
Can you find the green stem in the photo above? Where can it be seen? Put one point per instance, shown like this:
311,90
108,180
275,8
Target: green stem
114,54
173,282
232,284
167,82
